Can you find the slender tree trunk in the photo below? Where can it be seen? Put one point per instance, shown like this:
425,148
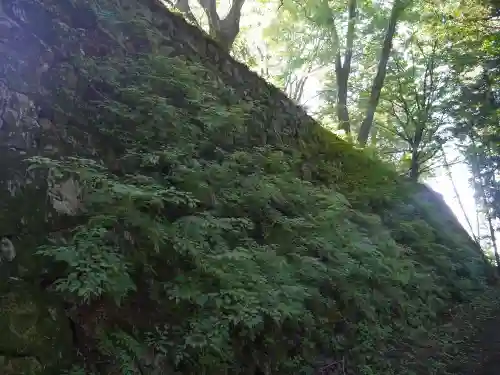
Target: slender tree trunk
294,87
417,140
414,167
343,70
478,225
342,110
493,241
378,82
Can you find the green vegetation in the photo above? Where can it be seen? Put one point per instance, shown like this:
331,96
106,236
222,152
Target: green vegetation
238,259
183,217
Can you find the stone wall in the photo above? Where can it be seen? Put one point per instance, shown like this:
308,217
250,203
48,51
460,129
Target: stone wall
38,88
40,38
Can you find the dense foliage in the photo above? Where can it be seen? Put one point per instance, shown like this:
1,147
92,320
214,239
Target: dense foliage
237,260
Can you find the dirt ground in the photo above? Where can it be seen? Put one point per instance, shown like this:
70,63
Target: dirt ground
485,359
479,354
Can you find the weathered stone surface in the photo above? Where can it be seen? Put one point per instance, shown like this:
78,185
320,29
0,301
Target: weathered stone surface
38,42
58,35
35,330
442,217
18,366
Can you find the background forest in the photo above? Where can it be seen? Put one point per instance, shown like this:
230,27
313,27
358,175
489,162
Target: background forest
415,82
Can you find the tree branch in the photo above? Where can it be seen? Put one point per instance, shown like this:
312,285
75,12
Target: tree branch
226,30
210,8
185,9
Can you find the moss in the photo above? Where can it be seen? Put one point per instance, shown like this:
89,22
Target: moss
18,366
33,328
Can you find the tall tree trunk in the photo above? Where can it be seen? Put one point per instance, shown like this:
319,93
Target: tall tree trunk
378,82
493,241
343,70
342,110
417,141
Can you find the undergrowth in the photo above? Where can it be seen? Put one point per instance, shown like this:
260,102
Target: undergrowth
246,262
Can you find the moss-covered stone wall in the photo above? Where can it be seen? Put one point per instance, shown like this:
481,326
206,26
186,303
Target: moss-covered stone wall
311,253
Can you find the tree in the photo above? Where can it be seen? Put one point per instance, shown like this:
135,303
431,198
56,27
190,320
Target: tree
337,36
223,30
414,99
378,82
343,69
289,55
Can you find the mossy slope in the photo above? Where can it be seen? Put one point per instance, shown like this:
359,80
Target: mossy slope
248,260
208,240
